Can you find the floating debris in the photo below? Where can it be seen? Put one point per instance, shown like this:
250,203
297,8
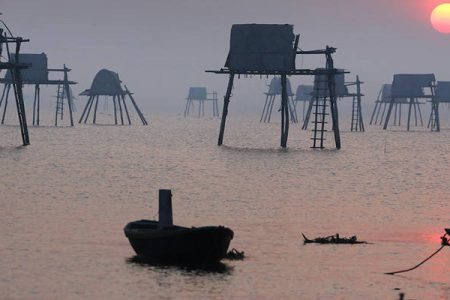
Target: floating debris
333,239
235,255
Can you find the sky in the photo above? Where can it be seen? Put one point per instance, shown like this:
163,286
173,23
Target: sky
162,47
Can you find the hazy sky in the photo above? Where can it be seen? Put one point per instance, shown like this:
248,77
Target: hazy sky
161,47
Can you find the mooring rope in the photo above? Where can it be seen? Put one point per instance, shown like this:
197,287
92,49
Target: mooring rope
444,243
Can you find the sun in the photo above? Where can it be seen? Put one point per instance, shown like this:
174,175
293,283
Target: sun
440,18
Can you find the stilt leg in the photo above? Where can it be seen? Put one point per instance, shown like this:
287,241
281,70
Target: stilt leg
409,114
126,109
144,121
95,109
38,105
34,105
120,110
85,108
226,101
264,109
89,109
284,112
115,110
6,103
386,120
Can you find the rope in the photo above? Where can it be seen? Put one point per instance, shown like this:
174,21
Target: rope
444,243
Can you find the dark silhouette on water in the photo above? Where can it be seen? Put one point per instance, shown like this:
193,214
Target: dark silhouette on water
38,74
107,83
16,67
271,49
333,239
167,243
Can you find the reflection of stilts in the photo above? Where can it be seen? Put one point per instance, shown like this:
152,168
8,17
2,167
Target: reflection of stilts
107,83
200,95
275,90
407,89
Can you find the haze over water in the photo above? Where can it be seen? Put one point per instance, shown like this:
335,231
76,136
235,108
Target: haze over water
65,199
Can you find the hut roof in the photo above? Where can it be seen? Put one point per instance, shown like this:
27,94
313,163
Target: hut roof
261,47
304,93
105,83
197,93
275,87
321,84
411,85
36,73
443,91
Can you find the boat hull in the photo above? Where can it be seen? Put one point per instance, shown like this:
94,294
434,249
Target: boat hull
177,244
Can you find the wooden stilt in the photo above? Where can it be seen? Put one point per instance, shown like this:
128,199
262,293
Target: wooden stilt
308,114
415,112
34,104
68,94
38,105
395,114
95,109
6,103
115,110
17,85
57,105
141,115
388,115
89,109
120,109
284,112
226,101
85,108
420,114
186,110
3,93
264,109
376,106
272,103
409,113
126,109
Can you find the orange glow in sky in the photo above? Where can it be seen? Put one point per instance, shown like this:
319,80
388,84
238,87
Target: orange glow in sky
440,18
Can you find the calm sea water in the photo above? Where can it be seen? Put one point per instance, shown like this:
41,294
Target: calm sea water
65,199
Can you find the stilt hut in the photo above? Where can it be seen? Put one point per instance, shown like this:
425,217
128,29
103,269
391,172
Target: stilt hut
382,103
37,75
414,87
107,83
271,49
272,93
304,94
16,67
201,95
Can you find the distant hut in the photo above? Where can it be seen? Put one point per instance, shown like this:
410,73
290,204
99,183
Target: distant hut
271,49
414,87
37,75
201,95
304,94
16,67
107,83
274,90
383,101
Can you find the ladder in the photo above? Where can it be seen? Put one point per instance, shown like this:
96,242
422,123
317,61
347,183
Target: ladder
320,112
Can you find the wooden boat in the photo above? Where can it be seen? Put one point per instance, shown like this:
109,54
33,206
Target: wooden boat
177,244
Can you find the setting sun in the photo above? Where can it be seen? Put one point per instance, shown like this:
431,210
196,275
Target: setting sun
440,18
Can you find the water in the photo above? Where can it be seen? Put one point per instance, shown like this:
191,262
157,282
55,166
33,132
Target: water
65,199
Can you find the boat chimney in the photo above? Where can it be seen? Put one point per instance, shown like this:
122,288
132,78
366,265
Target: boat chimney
165,209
